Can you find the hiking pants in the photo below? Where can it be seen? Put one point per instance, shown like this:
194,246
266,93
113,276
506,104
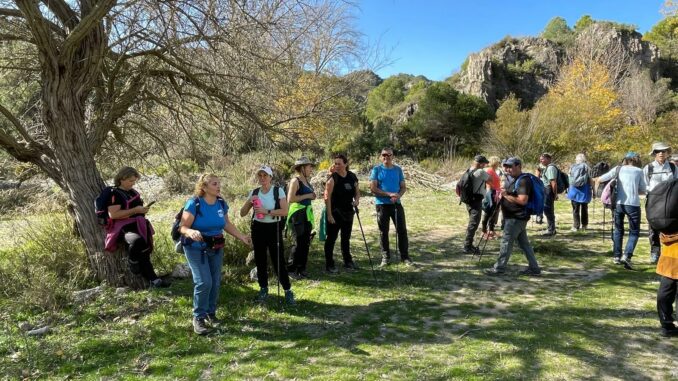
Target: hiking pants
385,214
515,230
633,214
666,296
549,209
267,237
205,267
490,219
299,252
344,223
580,214
655,246
139,253
475,211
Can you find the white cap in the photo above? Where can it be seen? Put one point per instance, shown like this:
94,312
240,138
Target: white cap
266,169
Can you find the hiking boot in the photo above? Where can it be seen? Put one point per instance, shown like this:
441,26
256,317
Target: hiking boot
408,262
626,261
492,234
471,250
384,262
530,272
289,297
332,270
584,227
261,296
134,266
160,283
616,261
213,320
492,271
200,326
539,220
351,266
669,331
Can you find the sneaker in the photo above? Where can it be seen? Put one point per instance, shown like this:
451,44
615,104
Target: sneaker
303,274
261,296
574,230
485,236
408,262
213,320
332,270
669,331
584,228
200,326
351,266
493,271
160,283
539,220
530,272
384,262
471,250
548,233
492,235
616,261
289,298
626,262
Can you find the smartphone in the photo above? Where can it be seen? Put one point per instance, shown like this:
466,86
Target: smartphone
150,204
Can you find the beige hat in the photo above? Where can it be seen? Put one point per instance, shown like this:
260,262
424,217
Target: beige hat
302,161
659,146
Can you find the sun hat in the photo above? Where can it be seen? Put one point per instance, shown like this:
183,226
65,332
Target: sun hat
659,146
302,161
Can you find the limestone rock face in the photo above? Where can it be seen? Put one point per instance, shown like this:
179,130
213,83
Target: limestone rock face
527,67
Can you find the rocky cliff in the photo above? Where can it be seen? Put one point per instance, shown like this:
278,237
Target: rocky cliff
527,67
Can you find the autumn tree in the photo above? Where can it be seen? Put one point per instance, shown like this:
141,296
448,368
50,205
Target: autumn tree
85,71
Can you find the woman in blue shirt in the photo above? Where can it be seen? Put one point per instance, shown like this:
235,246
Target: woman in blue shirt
204,218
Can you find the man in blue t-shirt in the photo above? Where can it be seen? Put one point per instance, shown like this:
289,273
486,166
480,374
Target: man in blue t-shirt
387,183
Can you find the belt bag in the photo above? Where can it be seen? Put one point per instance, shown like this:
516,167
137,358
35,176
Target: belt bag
214,242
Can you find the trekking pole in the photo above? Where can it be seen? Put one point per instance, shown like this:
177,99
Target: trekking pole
395,217
367,249
603,224
494,213
278,258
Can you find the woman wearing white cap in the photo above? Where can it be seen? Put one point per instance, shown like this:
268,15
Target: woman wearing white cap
657,172
300,216
270,205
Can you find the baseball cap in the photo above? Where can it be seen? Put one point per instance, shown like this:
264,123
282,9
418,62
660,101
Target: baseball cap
480,159
511,161
266,169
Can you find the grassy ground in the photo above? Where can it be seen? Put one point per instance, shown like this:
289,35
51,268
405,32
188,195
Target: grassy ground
584,318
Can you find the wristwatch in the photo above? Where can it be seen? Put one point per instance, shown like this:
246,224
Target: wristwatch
268,211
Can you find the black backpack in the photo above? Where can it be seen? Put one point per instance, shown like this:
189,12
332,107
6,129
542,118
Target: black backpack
464,187
276,196
103,201
562,180
596,171
650,170
174,231
662,207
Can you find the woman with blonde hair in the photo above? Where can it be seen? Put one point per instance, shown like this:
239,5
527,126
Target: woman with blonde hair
204,218
300,216
491,215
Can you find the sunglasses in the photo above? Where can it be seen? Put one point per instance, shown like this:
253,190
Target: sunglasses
660,151
386,154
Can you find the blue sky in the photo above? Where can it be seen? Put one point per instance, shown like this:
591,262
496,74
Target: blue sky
434,37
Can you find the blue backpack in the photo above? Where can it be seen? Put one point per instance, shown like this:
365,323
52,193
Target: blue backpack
535,202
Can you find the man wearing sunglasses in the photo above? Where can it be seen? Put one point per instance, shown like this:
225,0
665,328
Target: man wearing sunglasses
658,171
387,183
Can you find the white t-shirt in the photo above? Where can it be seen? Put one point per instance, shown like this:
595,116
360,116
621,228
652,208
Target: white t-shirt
267,202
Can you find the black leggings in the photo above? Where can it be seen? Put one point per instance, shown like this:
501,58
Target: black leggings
299,252
264,239
138,251
344,223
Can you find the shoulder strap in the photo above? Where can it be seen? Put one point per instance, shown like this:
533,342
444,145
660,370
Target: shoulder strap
650,169
255,191
196,199
276,196
673,167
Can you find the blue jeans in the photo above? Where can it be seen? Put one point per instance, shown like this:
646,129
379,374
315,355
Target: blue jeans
633,213
515,230
206,269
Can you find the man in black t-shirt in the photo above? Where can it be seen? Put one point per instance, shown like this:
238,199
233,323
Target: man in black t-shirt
514,197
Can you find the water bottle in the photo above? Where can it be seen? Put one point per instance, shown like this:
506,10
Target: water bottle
256,202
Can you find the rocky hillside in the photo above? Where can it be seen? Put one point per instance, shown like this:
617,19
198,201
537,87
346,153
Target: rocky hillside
528,66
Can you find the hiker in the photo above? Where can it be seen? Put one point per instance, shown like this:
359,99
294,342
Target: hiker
478,185
387,183
270,206
514,199
674,160
491,216
203,244
129,224
656,172
506,181
300,216
579,193
630,185
548,173
667,268
342,196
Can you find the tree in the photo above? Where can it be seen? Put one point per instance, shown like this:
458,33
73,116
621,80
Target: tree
557,31
664,34
583,23
99,67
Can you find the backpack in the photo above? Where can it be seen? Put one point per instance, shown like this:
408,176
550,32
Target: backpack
174,231
596,171
662,207
535,201
580,179
276,196
562,180
650,170
464,188
102,202
609,194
